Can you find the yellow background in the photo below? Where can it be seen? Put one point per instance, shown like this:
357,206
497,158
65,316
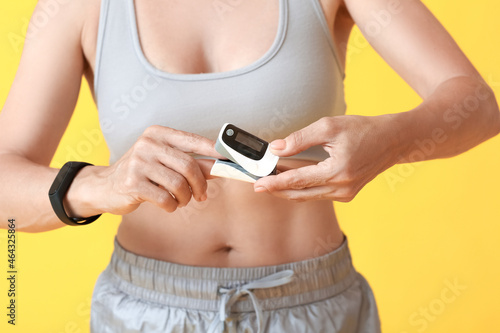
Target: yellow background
439,226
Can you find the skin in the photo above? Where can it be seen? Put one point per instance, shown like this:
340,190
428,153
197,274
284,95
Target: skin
214,222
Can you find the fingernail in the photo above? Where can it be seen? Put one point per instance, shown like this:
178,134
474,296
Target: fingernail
278,144
204,197
260,189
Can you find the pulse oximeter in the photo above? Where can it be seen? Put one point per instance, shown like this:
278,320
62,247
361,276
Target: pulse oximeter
249,156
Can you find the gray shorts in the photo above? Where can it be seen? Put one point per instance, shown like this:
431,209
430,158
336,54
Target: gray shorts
323,294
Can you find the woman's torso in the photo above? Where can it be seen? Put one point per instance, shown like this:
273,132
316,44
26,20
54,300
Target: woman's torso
234,226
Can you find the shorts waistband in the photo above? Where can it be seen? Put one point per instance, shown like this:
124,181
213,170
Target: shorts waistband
195,287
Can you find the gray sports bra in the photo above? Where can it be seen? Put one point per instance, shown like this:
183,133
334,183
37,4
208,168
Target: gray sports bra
296,82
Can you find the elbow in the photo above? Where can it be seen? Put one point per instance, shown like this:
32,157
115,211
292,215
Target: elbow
490,113
496,121
496,127
493,115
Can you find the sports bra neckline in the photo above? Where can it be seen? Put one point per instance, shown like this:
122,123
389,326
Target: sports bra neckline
262,60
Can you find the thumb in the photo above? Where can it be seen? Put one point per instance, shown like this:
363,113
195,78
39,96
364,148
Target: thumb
312,135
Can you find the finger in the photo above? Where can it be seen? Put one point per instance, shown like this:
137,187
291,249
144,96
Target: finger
171,181
157,196
327,192
308,194
314,134
184,141
304,177
283,168
187,167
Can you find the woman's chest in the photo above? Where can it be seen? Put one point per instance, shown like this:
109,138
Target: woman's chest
205,36
296,80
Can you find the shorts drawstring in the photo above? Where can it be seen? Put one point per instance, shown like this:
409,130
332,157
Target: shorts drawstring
231,296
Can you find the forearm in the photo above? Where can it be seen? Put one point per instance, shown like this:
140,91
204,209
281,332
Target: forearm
24,195
460,114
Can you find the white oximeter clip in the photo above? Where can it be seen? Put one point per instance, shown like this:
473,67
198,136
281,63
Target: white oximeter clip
249,156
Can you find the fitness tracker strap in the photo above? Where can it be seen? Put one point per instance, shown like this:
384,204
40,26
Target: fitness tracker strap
59,188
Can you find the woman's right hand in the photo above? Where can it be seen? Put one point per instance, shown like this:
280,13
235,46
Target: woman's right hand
156,169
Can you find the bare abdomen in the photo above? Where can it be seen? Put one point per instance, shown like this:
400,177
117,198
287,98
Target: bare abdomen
234,227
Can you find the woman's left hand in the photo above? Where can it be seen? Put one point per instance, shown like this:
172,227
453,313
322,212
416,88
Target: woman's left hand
360,148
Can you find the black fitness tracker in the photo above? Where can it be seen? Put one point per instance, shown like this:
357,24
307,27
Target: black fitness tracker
58,191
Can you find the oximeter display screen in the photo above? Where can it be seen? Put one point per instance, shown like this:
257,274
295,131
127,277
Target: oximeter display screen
244,143
248,141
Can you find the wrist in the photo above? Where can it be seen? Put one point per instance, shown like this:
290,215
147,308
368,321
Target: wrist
395,134
83,198
420,134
